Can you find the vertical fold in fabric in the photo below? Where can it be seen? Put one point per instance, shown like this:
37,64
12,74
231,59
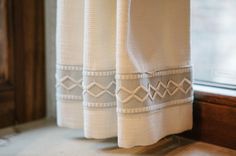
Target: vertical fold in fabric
69,63
99,103
153,79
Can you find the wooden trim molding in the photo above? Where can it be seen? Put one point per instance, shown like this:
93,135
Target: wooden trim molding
22,61
28,46
7,93
215,98
214,119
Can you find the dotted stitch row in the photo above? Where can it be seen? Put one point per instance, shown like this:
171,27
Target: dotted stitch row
153,74
99,73
111,104
69,67
153,107
70,97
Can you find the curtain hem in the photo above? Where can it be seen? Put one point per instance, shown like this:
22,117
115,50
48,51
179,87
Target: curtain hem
149,128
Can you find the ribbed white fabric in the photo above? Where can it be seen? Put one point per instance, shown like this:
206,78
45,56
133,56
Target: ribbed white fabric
99,34
100,124
123,69
70,16
99,55
152,35
70,114
146,129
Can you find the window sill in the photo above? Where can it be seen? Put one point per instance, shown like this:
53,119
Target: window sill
215,95
214,90
214,116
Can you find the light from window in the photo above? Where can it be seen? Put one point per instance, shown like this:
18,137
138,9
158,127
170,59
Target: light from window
213,42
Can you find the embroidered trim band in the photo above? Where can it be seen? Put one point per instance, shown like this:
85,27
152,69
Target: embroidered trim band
133,93
69,82
153,74
139,93
155,107
99,89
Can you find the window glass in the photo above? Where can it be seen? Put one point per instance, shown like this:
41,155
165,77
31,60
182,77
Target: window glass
213,41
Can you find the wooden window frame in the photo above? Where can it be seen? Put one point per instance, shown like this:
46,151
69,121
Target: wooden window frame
28,42
22,90
214,118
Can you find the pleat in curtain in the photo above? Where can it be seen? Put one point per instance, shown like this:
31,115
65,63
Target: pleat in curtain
123,69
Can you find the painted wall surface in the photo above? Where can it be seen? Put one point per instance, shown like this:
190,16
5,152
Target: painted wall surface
50,25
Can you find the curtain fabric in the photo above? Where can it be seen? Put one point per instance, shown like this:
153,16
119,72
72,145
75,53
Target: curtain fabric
123,69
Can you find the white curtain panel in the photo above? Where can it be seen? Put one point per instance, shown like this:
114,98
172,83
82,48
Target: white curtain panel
123,69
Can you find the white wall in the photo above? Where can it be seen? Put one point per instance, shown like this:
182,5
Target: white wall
50,17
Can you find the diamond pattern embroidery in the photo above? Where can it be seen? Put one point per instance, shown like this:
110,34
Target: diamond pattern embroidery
141,93
69,83
185,86
100,89
123,94
160,90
